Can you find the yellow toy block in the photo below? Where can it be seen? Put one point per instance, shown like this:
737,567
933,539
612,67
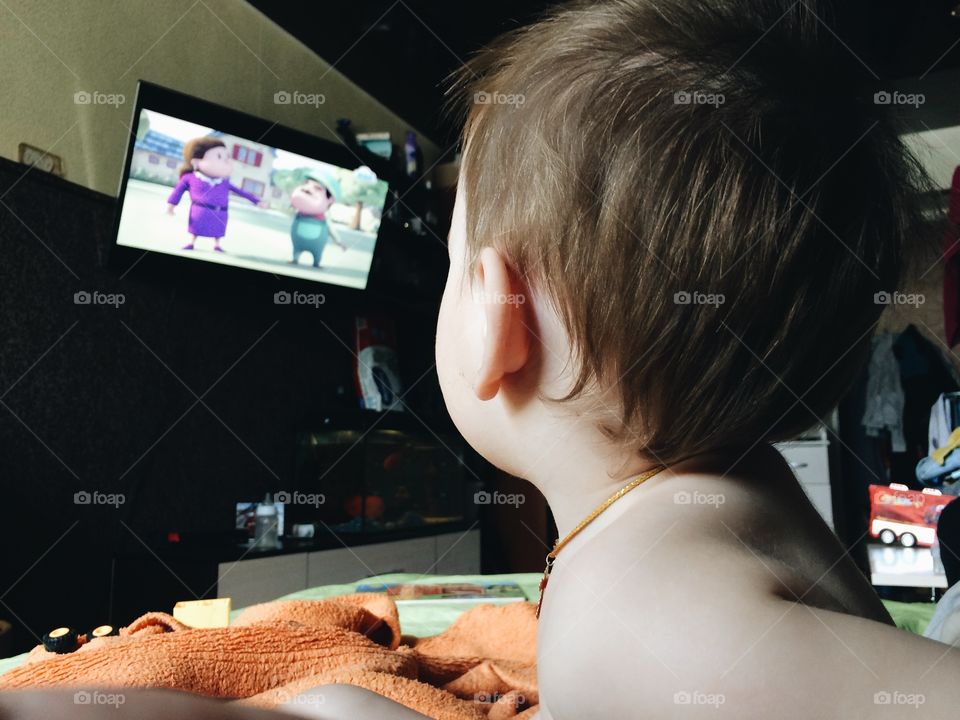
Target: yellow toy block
203,613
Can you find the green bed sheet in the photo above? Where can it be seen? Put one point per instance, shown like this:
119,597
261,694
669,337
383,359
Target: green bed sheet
425,618
911,616
430,618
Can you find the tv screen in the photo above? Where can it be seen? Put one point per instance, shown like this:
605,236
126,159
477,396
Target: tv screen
214,185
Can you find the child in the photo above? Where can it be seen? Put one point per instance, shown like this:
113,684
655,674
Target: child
206,175
672,221
700,204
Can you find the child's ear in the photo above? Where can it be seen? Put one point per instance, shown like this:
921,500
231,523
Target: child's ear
505,330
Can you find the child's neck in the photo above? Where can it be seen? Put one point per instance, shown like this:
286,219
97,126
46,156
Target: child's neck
575,486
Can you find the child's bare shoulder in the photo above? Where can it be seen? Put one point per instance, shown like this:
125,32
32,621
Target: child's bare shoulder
736,598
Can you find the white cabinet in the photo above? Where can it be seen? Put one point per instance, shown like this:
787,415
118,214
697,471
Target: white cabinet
458,554
343,565
810,462
256,580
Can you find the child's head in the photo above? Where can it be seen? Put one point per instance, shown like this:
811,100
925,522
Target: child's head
692,206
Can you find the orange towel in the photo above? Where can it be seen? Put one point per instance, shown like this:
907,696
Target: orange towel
483,667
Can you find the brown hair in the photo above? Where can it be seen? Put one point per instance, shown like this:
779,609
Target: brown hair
197,148
710,196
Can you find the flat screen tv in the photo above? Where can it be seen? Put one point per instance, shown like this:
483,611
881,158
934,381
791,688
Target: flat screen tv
207,184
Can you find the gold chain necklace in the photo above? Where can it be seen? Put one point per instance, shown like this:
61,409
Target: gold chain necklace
559,545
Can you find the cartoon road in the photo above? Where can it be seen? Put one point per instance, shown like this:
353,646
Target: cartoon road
255,238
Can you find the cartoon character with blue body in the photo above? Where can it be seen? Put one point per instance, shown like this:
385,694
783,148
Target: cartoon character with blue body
310,230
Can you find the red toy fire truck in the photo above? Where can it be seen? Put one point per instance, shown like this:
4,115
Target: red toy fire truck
898,514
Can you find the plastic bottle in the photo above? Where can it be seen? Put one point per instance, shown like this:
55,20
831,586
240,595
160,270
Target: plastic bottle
412,155
265,535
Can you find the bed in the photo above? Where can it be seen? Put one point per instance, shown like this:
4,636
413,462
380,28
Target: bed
425,619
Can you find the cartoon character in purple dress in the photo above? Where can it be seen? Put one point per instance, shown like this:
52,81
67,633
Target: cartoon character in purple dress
205,174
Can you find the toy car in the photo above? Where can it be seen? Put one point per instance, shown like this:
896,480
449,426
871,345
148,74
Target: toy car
899,514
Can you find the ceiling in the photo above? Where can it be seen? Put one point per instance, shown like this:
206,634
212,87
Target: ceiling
400,51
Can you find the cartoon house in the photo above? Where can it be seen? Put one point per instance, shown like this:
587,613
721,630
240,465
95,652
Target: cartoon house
279,198
157,158
253,168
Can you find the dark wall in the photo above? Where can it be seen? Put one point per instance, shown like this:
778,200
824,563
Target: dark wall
184,399
404,53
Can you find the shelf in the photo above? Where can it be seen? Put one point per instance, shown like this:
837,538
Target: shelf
895,566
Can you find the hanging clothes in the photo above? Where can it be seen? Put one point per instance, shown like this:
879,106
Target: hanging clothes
940,425
884,401
924,376
951,266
